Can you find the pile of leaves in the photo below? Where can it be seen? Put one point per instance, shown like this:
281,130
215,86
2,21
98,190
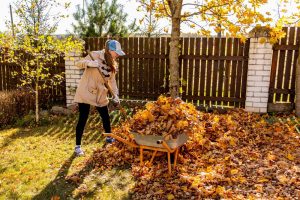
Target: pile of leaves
237,155
167,117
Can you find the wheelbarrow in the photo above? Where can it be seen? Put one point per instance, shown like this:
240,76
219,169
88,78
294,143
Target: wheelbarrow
156,144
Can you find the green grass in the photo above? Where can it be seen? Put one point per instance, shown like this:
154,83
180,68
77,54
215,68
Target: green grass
36,160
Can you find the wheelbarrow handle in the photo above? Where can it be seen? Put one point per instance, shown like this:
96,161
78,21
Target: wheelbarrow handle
121,139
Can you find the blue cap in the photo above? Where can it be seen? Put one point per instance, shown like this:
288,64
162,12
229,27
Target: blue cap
114,45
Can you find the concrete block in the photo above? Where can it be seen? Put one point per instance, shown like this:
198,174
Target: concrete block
251,83
252,62
69,62
264,99
249,94
256,56
263,110
75,76
265,89
262,84
255,67
254,89
263,73
252,109
264,62
70,80
268,56
261,94
267,67
249,104
254,78
253,99
260,105
251,72
264,51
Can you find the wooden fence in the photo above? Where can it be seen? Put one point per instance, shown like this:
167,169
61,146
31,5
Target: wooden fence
282,82
213,70
48,96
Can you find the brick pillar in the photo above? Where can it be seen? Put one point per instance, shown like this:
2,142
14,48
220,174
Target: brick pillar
73,75
259,72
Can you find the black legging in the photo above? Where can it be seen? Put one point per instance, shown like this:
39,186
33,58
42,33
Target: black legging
84,110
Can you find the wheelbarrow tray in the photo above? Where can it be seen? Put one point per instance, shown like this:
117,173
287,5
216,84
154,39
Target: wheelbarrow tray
153,140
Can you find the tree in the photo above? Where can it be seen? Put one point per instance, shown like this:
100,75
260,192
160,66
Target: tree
33,47
102,19
229,17
149,21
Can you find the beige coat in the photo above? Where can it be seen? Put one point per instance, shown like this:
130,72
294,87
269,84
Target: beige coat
91,89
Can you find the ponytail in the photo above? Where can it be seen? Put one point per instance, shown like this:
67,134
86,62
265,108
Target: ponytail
108,58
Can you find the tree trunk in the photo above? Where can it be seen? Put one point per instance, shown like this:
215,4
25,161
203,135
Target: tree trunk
298,85
173,56
37,116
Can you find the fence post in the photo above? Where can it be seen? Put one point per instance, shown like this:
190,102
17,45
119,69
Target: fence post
259,71
73,75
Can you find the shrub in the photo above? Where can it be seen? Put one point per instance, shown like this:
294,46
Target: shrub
14,104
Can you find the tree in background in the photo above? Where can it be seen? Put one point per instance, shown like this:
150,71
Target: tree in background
229,17
33,47
150,25
101,19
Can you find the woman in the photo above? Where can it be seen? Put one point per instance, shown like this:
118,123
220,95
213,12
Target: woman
91,89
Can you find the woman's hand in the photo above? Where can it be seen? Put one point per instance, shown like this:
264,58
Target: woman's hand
116,101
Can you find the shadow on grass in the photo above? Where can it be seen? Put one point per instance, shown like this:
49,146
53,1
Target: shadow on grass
62,129
108,181
59,186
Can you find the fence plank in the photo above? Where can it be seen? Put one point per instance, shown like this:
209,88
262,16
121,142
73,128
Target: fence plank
191,67
141,69
197,69
234,70
227,69
245,72
130,67
239,73
135,68
209,70
162,66
121,72
125,68
157,78
221,70
282,55
296,55
215,69
203,78
167,64
146,67
151,66
185,51
288,67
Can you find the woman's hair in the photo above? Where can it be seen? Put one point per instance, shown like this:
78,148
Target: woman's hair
108,58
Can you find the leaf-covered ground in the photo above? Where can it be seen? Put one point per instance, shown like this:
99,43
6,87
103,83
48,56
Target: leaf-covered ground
236,155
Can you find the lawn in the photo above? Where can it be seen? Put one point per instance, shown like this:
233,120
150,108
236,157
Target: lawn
36,160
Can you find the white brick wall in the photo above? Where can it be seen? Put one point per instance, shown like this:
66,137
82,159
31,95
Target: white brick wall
258,80
73,75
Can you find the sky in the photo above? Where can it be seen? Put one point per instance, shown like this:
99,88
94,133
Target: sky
65,25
